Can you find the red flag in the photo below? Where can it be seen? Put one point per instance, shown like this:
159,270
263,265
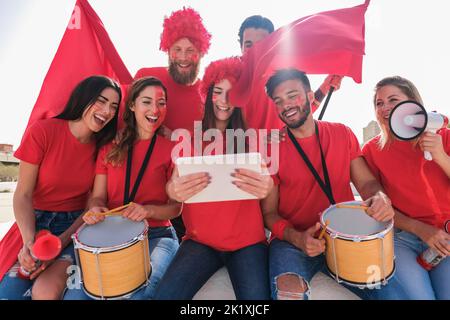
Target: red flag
330,42
85,50
9,249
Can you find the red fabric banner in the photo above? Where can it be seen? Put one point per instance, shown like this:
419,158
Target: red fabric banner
330,42
85,50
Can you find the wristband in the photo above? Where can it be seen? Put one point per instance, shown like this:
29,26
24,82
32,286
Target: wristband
279,227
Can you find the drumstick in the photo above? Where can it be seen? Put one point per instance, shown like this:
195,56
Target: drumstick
352,206
113,212
322,233
110,212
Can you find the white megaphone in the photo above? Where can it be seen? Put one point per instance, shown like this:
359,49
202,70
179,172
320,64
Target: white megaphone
409,119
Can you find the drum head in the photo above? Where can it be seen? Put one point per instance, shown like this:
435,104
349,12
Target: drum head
353,222
113,231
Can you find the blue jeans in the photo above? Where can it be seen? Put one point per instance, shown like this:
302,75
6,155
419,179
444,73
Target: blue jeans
195,263
15,288
163,244
284,258
420,284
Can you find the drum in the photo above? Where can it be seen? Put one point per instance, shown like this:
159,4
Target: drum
360,250
113,257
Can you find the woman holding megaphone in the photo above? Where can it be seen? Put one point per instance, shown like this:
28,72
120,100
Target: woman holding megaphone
419,189
56,171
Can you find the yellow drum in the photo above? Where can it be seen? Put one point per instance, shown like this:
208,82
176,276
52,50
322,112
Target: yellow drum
113,257
360,250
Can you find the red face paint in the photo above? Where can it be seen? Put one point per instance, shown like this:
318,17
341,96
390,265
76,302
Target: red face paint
173,56
161,111
195,57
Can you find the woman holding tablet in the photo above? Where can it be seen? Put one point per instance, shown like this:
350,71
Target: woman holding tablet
226,233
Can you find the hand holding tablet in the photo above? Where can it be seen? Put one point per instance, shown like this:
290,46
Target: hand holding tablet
221,178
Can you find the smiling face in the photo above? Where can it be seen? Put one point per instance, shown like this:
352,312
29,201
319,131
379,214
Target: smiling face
149,110
292,103
386,98
184,61
222,109
96,116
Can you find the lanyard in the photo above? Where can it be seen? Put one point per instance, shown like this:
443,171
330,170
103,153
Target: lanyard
324,185
127,196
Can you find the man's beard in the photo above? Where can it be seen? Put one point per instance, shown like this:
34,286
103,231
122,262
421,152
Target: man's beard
185,78
294,125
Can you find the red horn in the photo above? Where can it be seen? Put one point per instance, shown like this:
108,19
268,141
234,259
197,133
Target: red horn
47,246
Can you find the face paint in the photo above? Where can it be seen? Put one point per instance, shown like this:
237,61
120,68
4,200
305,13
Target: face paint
195,58
149,110
162,111
184,61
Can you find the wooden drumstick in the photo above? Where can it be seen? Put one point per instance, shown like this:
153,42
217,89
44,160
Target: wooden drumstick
118,209
113,212
322,233
352,206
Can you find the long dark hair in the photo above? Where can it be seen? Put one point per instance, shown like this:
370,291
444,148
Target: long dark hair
83,97
236,121
129,135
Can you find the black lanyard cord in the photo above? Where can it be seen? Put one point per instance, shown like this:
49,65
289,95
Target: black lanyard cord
127,196
324,185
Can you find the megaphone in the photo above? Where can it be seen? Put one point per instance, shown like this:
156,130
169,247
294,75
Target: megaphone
409,119
46,247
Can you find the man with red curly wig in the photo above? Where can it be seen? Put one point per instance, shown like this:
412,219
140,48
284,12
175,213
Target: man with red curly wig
186,41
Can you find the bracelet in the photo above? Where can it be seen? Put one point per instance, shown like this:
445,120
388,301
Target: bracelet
319,95
279,227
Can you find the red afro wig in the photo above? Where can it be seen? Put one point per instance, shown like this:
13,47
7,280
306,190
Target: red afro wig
228,68
185,23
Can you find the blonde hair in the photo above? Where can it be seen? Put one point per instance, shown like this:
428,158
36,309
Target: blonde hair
405,86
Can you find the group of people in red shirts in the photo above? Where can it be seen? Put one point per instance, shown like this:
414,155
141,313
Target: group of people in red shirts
78,162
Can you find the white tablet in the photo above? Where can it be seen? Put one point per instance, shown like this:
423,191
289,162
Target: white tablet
220,168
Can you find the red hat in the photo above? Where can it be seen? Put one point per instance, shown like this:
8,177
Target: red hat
185,23
228,68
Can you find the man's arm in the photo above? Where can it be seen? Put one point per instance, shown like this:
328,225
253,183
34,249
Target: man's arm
370,190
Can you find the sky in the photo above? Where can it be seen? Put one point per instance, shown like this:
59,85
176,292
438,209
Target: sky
403,37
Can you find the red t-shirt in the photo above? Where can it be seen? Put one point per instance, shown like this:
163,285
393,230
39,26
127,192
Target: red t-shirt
66,166
418,188
184,103
261,113
152,189
224,225
301,198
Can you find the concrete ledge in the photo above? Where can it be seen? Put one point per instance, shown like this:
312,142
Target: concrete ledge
323,287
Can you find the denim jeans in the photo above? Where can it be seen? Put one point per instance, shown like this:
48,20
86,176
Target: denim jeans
195,263
163,244
15,288
420,284
284,258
